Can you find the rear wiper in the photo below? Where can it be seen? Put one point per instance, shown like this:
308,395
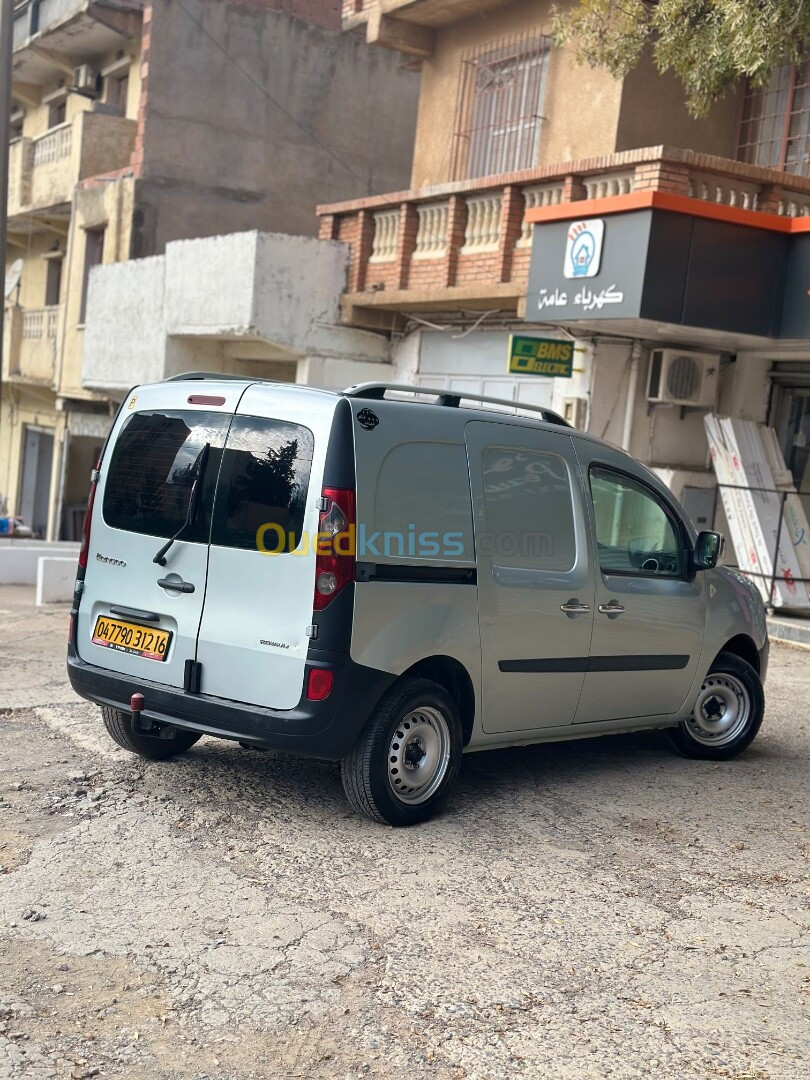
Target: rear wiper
199,467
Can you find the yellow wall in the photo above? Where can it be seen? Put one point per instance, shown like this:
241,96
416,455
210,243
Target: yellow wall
20,406
587,112
581,105
110,206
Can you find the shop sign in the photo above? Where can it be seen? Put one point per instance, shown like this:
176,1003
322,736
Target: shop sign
540,356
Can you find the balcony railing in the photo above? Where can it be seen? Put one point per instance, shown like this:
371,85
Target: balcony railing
29,344
44,171
469,239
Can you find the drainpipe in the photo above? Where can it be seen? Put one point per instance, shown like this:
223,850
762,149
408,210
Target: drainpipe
6,45
632,387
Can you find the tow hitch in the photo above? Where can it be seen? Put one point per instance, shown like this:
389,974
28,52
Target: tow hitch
142,725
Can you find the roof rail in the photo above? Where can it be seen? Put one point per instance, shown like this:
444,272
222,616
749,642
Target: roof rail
196,376
376,391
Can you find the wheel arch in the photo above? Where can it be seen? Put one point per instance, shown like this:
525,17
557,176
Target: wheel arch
450,674
743,646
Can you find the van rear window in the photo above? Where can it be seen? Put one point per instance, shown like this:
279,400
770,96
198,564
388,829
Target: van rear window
263,484
255,474
152,471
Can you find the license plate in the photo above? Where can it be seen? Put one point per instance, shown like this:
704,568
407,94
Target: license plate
130,638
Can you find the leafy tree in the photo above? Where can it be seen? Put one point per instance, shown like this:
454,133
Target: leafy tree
709,44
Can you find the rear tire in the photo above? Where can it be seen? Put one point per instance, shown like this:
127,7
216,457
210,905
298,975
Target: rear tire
119,725
407,757
727,714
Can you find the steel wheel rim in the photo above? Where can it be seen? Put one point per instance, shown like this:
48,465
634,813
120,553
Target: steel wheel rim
418,755
721,712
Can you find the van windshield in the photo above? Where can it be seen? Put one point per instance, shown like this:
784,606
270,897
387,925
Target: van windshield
153,468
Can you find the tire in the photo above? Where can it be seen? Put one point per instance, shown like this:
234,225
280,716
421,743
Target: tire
119,725
727,714
416,717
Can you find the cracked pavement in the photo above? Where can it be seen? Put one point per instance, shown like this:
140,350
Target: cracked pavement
580,910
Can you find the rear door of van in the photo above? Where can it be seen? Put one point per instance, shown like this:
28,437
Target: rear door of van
253,638
138,617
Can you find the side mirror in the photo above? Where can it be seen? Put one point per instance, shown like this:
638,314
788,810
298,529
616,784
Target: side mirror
708,549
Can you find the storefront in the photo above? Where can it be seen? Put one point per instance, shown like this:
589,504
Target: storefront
714,299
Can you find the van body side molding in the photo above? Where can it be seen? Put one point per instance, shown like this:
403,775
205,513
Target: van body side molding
645,662
415,574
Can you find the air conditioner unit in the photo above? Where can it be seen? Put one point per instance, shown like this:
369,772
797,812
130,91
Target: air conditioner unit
85,78
678,377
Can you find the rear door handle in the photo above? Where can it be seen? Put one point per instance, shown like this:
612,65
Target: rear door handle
573,607
175,585
612,608
135,613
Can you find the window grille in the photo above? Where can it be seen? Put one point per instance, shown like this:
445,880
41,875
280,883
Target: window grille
775,129
499,108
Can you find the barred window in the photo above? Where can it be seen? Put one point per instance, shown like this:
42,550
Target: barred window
499,108
775,130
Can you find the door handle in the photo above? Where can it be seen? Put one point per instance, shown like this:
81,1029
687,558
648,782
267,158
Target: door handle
611,608
573,607
175,585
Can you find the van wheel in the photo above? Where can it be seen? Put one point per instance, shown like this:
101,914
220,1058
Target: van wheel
119,724
407,757
727,714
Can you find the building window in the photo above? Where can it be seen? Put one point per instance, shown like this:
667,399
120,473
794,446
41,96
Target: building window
57,112
118,92
500,106
93,255
775,130
53,281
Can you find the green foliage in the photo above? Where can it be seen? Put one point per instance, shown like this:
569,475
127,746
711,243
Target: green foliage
709,44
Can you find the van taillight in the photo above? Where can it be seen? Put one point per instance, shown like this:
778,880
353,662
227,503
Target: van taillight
334,562
88,518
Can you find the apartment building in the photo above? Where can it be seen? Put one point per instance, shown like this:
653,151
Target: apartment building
138,124
582,242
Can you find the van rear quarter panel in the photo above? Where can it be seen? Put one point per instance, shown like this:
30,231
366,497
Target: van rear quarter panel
411,469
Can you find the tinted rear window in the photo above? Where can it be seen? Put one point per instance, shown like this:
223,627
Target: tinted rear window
263,482
258,477
153,466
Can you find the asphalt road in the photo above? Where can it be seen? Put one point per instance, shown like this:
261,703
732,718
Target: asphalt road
582,910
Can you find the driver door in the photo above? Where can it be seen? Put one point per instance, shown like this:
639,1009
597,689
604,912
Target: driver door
650,610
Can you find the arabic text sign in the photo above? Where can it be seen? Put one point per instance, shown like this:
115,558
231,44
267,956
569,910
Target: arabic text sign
584,298
540,356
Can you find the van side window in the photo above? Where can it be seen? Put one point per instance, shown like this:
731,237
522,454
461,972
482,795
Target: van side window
263,485
153,468
634,533
528,509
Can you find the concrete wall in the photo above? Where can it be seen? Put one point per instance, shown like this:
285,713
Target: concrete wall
652,112
253,117
245,303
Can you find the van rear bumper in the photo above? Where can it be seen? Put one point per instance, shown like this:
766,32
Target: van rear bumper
323,729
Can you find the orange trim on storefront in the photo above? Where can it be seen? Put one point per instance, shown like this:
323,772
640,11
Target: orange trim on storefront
663,200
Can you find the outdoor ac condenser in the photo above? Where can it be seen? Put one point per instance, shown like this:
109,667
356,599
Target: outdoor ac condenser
678,377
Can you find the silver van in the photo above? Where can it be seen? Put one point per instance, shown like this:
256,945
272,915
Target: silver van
390,582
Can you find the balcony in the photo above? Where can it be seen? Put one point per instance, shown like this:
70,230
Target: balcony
44,171
408,25
47,16
467,244
29,345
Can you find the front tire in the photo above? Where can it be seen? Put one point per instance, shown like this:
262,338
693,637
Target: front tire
119,726
727,713
407,757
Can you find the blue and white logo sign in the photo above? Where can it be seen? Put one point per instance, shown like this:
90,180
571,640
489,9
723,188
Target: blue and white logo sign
583,249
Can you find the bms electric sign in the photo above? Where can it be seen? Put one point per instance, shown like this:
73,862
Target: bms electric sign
583,248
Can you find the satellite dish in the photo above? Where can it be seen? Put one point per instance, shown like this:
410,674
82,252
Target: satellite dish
13,277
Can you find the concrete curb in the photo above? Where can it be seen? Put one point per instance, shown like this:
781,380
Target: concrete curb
792,631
